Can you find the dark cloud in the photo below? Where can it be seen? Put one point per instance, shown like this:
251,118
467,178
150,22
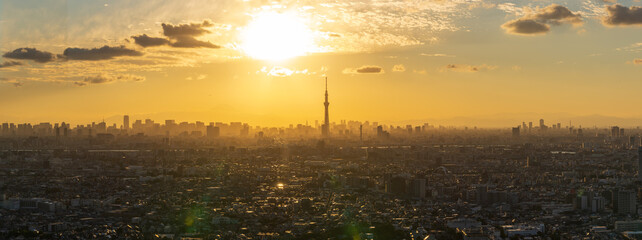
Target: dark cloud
30,54
103,53
10,63
98,79
369,69
190,42
525,27
363,69
620,15
180,36
556,14
103,79
147,41
192,29
538,22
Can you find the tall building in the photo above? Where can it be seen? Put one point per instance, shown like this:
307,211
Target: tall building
615,131
625,202
640,164
325,129
418,188
213,131
126,122
516,132
541,124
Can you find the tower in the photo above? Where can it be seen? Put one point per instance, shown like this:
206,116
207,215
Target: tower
325,129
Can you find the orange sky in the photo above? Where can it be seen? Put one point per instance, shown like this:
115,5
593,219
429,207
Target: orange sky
394,61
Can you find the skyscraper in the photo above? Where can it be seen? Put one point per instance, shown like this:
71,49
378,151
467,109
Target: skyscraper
640,164
126,122
325,129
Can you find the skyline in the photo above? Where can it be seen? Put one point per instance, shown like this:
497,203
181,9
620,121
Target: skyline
497,121
443,60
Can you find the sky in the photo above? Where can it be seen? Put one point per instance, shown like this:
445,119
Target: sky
264,62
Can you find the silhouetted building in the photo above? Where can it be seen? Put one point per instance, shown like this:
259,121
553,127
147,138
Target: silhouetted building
126,122
640,164
541,124
213,131
615,131
624,202
516,132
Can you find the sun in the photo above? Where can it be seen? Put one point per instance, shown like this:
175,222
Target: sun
276,36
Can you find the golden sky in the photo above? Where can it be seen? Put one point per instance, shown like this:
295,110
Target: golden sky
263,62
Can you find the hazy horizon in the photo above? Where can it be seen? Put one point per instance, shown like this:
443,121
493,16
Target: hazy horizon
505,120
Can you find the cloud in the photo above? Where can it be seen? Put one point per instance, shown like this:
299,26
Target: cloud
199,77
30,54
147,41
278,71
192,29
190,42
557,14
95,54
9,64
179,36
525,27
398,68
364,69
539,20
619,15
104,79
13,82
436,55
637,61
183,35
468,68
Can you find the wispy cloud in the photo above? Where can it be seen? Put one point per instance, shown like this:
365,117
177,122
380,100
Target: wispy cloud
279,71
468,68
436,55
398,68
9,64
106,78
13,82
